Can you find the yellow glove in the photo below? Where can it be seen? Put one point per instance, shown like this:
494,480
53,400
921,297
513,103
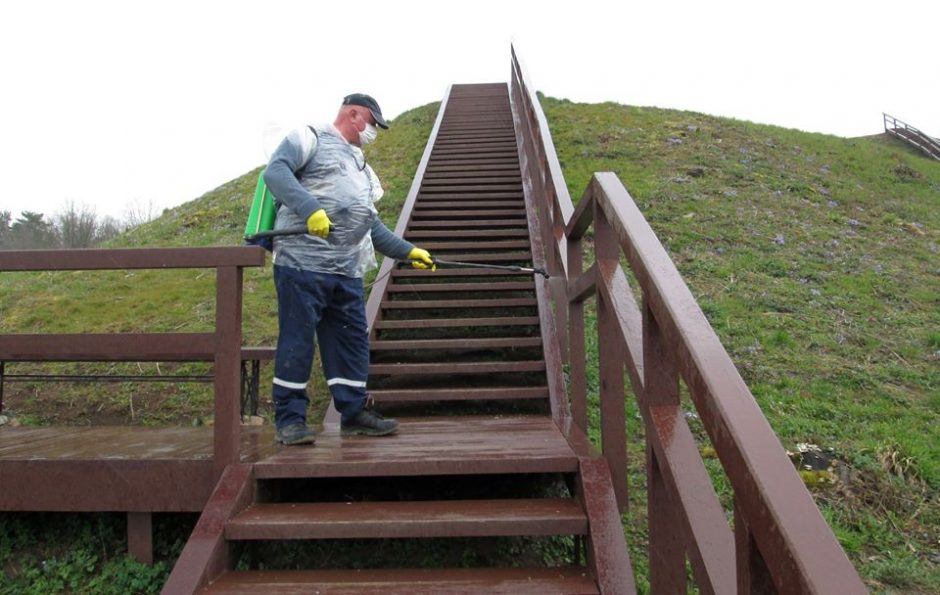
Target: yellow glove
421,259
319,224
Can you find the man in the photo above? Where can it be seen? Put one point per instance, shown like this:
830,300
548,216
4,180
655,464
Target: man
320,178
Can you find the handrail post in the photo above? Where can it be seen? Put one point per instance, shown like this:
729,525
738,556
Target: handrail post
661,387
228,332
577,354
611,361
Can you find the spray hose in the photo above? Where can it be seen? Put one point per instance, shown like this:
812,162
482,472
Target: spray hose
480,265
437,261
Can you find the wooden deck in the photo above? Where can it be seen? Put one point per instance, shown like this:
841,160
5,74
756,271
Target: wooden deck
110,468
170,469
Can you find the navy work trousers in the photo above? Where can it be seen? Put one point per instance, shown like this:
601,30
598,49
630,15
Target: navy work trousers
332,308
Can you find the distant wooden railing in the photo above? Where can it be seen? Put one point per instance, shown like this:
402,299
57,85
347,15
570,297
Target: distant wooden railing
904,131
222,346
779,541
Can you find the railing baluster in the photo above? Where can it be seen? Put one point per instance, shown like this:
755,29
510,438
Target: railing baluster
661,387
753,575
611,356
577,389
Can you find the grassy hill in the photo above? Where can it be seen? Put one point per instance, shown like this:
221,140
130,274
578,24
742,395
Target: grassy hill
814,257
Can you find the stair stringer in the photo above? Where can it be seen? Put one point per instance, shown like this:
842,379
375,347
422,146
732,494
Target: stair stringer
207,554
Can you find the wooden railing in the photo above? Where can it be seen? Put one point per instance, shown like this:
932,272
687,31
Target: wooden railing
779,541
222,346
904,131
542,178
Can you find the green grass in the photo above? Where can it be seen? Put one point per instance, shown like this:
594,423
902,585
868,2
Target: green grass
815,258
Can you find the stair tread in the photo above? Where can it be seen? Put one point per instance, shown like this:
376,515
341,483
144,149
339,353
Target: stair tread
431,323
456,344
401,287
439,518
466,445
571,580
459,394
463,304
453,368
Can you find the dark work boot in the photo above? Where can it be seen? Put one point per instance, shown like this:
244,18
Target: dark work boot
369,423
295,434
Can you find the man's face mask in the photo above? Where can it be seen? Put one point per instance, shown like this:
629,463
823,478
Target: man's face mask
368,135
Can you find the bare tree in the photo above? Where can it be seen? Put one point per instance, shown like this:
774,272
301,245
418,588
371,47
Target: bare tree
108,228
77,226
138,213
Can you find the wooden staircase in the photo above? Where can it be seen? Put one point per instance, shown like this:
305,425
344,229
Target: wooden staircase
480,482
927,144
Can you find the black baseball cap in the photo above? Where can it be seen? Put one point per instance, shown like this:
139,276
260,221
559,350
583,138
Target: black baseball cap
368,102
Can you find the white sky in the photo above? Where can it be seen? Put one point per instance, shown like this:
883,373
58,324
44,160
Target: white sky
133,103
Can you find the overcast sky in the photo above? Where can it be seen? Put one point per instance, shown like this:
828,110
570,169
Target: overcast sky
134,104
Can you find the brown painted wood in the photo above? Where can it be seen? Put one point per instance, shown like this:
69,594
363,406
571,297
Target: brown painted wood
140,536
146,469
442,272
711,548
381,520
468,233
86,347
467,214
206,554
227,368
418,581
429,446
475,223
443,304
456,344
461,287
458,322
607,548
458,394
89,259
454,369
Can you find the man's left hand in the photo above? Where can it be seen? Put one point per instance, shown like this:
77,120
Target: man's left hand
421,259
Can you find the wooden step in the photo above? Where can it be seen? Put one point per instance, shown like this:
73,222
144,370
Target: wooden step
468,233
418,581
469,445
458,394
471,203
456,368
395,520
519,222
461,344
461,287
445,272
430,323
433,246
454,215
442,304
457,178
497,258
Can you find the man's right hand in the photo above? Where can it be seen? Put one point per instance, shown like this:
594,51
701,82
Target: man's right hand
319,224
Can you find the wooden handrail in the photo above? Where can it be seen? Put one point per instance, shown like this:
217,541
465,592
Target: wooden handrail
784,535
542,180
779,538
223,346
